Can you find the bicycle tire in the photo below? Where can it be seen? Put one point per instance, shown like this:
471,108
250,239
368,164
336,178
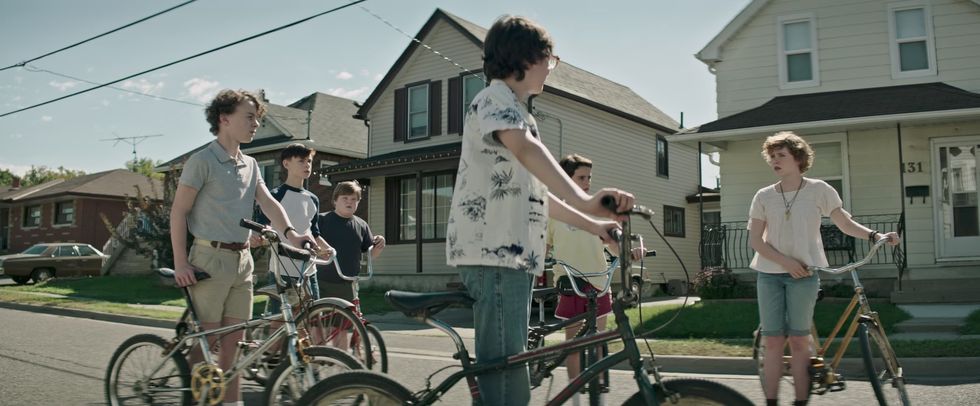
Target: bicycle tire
285,389
373,387
759,355
882,367
325,323
693,392
263,366
379,351
126,369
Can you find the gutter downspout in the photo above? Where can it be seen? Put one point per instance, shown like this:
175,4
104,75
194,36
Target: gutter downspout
901,196
700,212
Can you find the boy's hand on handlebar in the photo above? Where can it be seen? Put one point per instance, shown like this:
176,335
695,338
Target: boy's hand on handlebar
255,240
638,253
301,240
624,202
893,238
184,275
602,229
378,242
325,252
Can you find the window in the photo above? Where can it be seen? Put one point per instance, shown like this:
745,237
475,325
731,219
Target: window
436,195
66,251
911,40
86,251
462,91
673,221
829,167
797,44
663,164
418,111
271,170
32,216
64,213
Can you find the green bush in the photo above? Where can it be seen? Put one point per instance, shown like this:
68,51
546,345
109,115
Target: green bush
720,283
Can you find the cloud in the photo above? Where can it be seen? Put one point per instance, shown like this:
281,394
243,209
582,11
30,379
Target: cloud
16,136
201,89
19,170
344,75
378,77
356,94
62,86
46,118
143,86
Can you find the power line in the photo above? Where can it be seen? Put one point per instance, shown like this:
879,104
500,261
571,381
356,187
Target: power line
184,59
416,40
98,36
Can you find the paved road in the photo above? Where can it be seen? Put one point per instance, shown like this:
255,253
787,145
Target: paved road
49,359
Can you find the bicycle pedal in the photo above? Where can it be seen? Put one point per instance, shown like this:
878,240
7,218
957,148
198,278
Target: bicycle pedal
838,386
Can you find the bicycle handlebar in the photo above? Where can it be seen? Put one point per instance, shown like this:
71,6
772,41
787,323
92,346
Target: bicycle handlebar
851,266
370,268
610,203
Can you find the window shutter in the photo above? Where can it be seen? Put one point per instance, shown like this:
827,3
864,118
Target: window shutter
435,108
391,209
401,114
454,106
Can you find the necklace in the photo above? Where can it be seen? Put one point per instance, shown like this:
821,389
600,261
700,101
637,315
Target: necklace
789,204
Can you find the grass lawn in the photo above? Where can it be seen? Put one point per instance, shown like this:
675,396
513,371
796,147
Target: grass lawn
738,319
114,292
972,325
743,348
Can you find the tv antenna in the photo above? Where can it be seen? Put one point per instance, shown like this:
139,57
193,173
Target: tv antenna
131,141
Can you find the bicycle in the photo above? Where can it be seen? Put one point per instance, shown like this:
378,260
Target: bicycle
373,388
378,352
148,369
880,363
536,333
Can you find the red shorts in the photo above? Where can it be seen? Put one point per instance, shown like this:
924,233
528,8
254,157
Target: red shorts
573,305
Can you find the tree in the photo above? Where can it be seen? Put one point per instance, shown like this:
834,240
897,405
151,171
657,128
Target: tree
146,226
144,166
40,174
7,177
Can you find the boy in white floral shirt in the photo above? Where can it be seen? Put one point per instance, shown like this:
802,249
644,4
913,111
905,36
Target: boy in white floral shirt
501,201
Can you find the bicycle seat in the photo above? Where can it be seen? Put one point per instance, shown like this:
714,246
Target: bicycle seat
169,275
544,293
425,304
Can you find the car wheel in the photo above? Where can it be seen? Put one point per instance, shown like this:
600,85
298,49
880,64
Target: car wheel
42,274
20,280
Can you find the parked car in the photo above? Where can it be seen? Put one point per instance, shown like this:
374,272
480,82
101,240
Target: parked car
45,261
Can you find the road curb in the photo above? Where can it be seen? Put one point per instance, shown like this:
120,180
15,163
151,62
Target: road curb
88,314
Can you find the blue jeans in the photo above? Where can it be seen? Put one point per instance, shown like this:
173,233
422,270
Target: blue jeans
500,316
786,304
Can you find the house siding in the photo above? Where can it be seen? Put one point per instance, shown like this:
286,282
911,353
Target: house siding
87,226
423,66
853,43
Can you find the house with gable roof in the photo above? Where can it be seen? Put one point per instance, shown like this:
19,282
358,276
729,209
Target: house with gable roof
415,116
320,121
888,94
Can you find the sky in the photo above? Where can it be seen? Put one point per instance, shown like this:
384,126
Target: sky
647,45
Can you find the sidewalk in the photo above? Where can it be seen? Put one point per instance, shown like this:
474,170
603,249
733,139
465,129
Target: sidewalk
417,338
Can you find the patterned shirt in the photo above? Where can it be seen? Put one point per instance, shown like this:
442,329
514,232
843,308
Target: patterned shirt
499,211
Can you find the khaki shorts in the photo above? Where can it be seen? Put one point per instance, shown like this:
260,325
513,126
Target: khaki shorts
228,293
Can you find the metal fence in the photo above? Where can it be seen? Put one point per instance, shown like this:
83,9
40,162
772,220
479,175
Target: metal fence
727,244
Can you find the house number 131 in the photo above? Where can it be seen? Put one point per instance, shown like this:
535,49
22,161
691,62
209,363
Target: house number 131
912,167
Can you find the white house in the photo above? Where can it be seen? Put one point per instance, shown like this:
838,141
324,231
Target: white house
415,116
887,92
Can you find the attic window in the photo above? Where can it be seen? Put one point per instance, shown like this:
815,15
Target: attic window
797,41
418,111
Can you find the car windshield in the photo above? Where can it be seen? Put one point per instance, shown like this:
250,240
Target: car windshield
35,250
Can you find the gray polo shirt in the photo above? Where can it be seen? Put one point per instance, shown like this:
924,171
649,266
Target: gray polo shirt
225,193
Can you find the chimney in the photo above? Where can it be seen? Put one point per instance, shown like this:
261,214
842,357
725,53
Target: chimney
16,183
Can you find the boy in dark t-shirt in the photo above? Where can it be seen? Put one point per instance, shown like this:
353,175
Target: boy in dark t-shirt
350,236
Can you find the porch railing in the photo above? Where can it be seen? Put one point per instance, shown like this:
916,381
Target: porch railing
727,244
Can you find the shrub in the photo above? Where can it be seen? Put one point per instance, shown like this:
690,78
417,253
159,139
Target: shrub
719,283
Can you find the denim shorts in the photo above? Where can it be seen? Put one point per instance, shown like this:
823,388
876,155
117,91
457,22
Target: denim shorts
786,304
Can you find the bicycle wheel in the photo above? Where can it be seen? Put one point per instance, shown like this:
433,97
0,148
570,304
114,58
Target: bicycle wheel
332,325
287,383
787,384
259,371
139,375
379,352
882,366
692,392
357,388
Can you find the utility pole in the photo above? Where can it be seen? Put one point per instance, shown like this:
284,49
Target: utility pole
131,141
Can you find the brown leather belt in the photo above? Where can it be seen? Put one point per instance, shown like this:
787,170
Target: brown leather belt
231,246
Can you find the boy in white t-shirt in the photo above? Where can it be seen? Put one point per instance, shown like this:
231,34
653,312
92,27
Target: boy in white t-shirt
784,231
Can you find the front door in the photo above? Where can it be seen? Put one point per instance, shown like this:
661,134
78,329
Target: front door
957,194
